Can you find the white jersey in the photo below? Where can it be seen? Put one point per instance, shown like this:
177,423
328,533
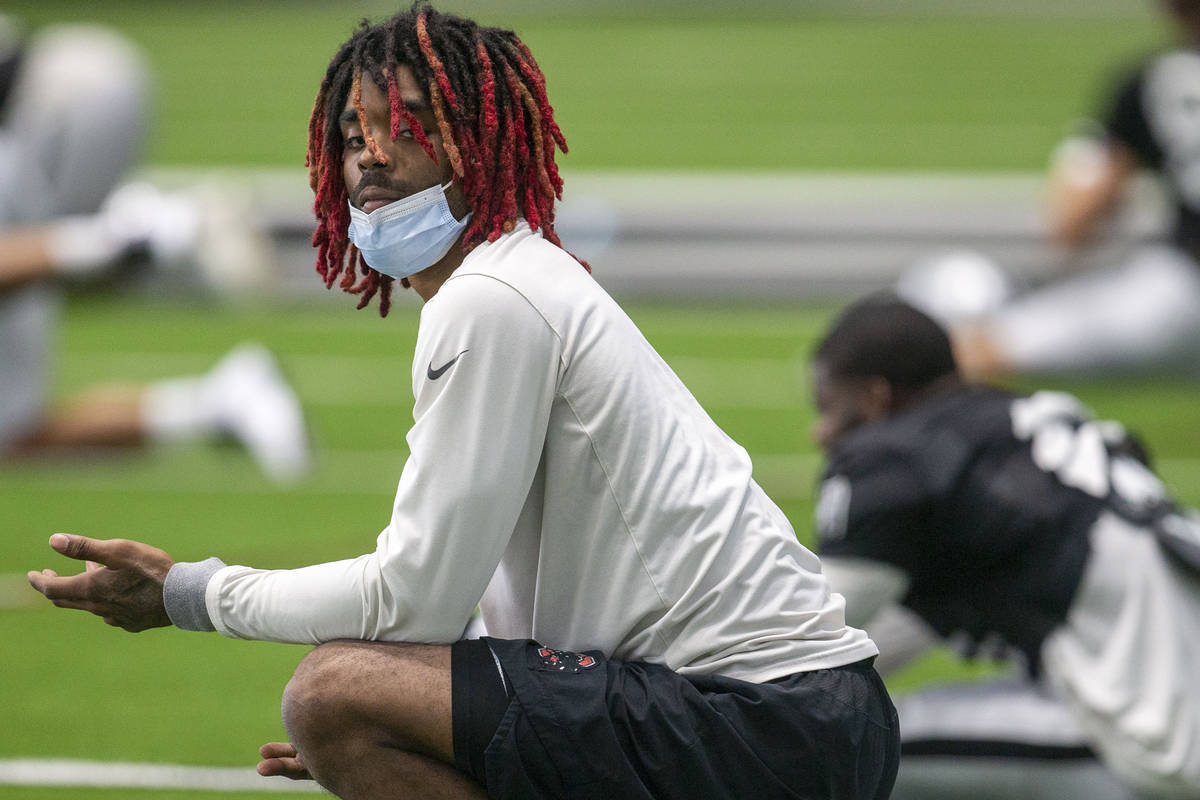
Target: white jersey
1126,660
564,480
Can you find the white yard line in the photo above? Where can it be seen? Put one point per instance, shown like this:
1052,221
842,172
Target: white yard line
15,592
96,774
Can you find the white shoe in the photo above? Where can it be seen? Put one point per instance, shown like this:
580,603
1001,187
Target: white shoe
254,403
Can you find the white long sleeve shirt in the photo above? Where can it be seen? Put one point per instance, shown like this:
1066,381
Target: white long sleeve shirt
564,480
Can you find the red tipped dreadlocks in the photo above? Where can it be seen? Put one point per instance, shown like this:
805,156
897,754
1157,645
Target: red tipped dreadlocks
497,127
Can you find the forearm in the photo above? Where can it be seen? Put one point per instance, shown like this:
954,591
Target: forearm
338,600
346,599
73,246
25,257
1086,182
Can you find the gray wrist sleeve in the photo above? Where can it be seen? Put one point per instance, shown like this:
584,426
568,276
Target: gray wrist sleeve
183,594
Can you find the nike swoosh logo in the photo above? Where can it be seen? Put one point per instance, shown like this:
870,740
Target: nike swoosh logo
434,374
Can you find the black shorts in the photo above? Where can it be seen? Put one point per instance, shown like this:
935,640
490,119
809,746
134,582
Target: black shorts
578,725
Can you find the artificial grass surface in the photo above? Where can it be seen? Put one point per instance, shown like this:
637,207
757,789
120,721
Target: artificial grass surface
734,87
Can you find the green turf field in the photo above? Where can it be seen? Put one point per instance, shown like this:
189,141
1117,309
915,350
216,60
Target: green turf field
750,87
75,688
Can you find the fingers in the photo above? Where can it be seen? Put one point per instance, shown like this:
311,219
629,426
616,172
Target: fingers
277,750
287,767
83,605
63,592
71,588
99,609
116,554
280,758
69,593
38,580
85,549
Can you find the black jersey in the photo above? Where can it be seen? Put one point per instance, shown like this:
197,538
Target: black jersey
1155,112
984,499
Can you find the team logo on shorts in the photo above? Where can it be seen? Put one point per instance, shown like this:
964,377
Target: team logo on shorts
564,661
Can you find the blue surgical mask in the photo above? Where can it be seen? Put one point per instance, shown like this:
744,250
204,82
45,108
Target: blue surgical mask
409,235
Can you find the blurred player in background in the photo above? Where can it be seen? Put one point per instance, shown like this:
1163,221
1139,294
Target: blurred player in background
1142,313
74,103
1016,526
561,479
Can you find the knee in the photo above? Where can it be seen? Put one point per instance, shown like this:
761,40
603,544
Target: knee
348,692
317,701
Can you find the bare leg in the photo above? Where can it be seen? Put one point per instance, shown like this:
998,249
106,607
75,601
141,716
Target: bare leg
24,257
107,416
1142,314
243,396
373,720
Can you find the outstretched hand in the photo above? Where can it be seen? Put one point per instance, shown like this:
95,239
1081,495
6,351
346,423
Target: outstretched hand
280,758
122,581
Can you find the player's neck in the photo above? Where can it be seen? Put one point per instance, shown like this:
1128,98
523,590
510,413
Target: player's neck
935,388
427,282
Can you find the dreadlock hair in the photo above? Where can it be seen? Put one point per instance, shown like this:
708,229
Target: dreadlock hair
881,336
488,97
